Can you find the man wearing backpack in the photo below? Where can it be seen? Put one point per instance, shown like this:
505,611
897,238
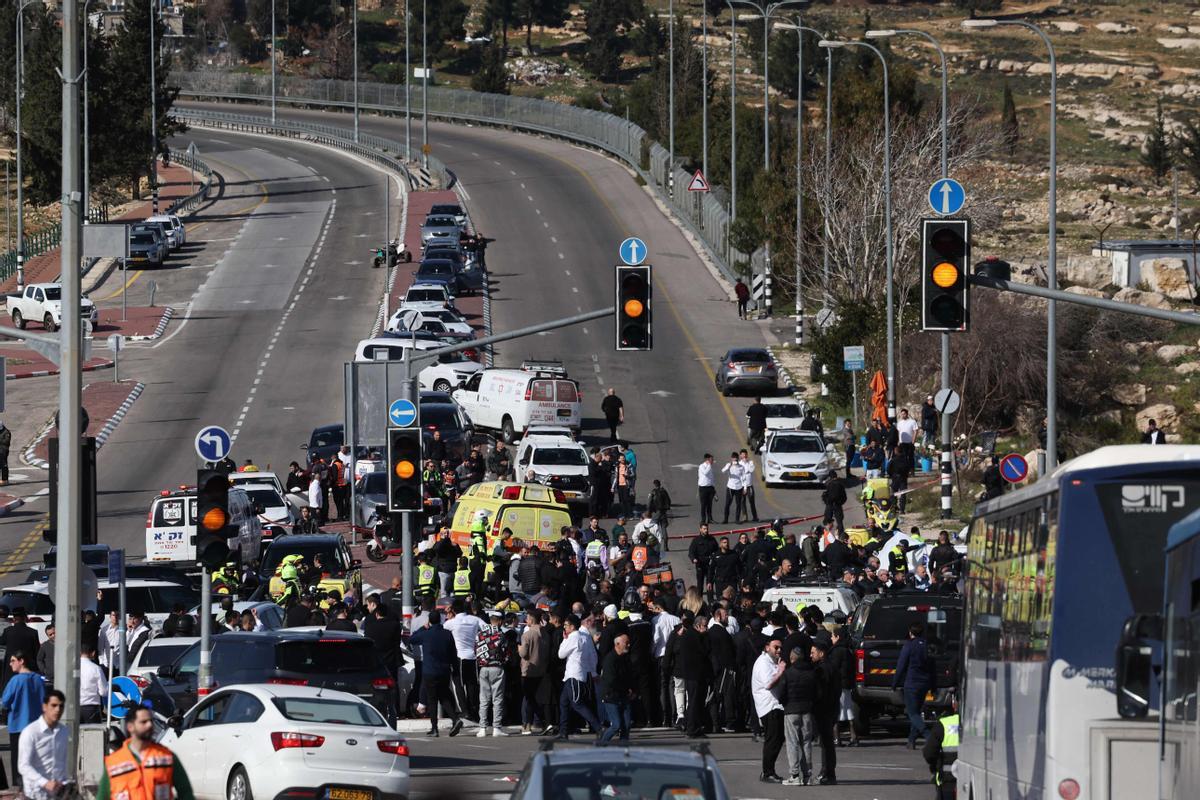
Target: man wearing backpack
659,506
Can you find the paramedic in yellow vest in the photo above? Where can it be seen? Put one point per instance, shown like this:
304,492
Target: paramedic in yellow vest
143,769
426,578
477,555
460,586
941,751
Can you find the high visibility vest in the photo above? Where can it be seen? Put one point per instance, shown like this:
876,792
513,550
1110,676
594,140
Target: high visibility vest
776,538
594,549
897,560
951,730
426,573
489,571
149,779
462,582
478,548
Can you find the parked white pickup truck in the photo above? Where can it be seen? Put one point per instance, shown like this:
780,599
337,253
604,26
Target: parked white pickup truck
43,302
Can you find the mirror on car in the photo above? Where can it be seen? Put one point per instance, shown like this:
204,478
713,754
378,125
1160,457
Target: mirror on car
304,446
175,723
166,671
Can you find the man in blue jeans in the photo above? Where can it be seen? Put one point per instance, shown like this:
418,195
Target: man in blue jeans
616,689
916,673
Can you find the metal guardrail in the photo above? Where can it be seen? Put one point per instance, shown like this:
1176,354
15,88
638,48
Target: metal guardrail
185,205
706,216
373,148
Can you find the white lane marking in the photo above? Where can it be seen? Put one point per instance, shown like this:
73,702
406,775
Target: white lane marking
545,224
567,272
512,172
554,239
530,197
561,257
575,289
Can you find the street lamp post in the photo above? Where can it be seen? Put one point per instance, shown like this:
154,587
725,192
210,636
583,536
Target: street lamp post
407,87
704,90
671,100
887,211
424,83
947,458
20,171
153,110
87,185
732,118
274,45
355,24
1051,455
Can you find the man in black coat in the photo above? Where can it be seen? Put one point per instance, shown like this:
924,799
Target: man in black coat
838,555
748,642
692,664
723,654
702,548
829,694
384,631
724,567
19,637
834,498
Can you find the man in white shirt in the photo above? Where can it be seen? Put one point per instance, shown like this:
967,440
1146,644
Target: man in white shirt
734,473
768,669
93,685
42,751
664,624
579,653
464,627
708,492
907,429
748,469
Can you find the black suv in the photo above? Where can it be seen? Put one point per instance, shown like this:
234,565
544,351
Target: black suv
879,629
308,657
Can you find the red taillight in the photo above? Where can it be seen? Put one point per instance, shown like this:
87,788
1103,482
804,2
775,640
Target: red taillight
731,365
382,684
860,671
511,493
141,682
282,740
559,497
529,392
397,747
1068,789
288,682
920,608
431,427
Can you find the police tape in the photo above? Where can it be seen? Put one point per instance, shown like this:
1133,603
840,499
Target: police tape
738,531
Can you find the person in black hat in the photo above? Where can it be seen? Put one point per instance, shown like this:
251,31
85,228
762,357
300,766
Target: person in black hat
825,712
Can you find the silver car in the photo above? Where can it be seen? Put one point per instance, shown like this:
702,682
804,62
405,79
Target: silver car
439,228
746,369
658,772
370,492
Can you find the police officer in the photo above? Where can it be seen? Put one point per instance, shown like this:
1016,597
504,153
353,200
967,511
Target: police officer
426,578
898,559
460,586
501,558
225,579
941,751
775,535
595,555
291,586
478,556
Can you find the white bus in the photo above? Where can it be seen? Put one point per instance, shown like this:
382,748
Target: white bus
1054,570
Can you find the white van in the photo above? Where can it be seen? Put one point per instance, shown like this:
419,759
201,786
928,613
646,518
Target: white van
826,598
171,526
510,400
556,460
449,372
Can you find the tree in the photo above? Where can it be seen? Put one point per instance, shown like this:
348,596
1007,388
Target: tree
446,23
1156,155
607,23
1010,127
541,12
492,75
1187,146
502,13
41,106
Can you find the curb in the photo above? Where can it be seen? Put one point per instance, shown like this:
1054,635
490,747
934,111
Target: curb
168,314
793,384
28,454
119,414
41,373
11,505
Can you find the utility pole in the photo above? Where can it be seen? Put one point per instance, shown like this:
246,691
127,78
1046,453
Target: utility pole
153,110
407,87
66,591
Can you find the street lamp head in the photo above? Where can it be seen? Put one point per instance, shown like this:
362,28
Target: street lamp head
980,23
883,33
748,17
830,43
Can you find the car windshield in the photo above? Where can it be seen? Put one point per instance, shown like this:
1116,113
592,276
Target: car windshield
299,547
425,296
626,779
435,268
755,356
446,209
327,656
267,498
53,293
796,444
327,438
789,410
32,602
560,457
327,711
156,655
375,483
440,222
442,416
448,255
141,238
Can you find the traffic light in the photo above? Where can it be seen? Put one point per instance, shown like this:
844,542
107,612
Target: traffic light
212,518
87,499
633,308
404,469
945,254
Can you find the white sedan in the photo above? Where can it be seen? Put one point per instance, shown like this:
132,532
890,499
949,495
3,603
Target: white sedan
275,509
277,740
795,457
784,413
411,319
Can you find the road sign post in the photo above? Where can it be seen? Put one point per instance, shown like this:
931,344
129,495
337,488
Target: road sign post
854,361
116,343
699,183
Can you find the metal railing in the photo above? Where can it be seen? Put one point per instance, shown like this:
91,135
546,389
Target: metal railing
185,205
707,217
43,241
377,149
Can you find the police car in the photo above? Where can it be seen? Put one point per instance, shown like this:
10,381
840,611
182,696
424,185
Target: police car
171,522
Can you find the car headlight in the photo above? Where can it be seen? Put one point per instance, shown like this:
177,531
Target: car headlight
774,464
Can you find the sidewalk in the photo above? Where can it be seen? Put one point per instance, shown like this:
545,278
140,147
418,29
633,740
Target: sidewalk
45,268
106,403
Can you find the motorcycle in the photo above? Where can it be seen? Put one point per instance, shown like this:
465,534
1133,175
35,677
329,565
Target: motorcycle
382,543
395,252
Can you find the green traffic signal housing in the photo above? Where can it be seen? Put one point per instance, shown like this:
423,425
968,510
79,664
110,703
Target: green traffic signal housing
945,291
634,296
405,487
212,518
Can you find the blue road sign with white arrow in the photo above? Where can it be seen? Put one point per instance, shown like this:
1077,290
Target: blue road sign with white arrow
633,251
123,690
213,443
402,413
947,196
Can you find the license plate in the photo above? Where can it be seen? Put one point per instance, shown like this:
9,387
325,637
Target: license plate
799,474
350,794
754,370
573,495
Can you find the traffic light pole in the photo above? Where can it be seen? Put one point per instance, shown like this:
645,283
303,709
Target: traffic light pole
204,676
1084,300
408,390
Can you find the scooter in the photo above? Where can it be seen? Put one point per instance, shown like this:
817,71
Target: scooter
396,252
382,544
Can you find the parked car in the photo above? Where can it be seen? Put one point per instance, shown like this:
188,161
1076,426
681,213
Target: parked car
555,460
159,652
339,570
437,321
370,492
174,229
289,741
510,400
746,369
450,210
146,247
796,457
42,302
436,226
639,772
427,295
784,413
275,508
454,424
324,442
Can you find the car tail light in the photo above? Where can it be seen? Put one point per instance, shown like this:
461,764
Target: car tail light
141,682
529,392
288,682
1068,789
382,684
397,747
559,497
283,740
731,365
860,671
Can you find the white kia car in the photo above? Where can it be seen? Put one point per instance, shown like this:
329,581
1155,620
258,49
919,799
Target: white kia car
278,740
798,457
